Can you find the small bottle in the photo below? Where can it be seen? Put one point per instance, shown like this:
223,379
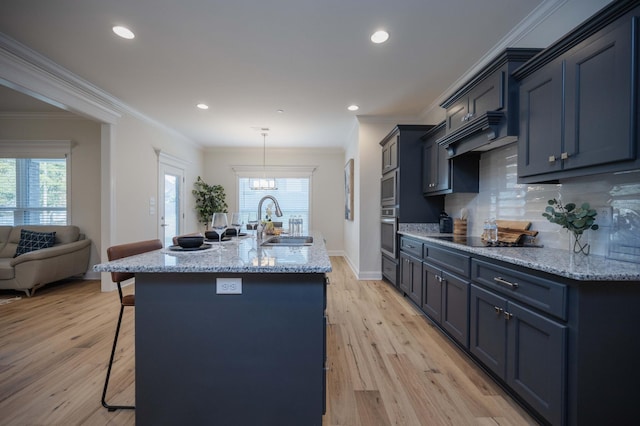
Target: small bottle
493,231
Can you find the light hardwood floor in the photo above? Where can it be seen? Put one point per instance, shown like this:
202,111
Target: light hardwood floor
388,365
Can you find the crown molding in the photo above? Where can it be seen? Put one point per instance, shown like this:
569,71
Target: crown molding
40,116
27,71
528,24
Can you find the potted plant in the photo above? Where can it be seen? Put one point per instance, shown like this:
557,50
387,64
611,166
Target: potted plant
574,219
209,199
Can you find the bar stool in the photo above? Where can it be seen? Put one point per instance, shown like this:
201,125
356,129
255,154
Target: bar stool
113,253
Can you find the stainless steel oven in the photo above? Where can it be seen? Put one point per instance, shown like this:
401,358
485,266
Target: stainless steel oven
389,188
388,230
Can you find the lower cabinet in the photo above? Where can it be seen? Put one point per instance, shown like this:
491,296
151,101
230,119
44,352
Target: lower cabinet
411,277
525,349
446,301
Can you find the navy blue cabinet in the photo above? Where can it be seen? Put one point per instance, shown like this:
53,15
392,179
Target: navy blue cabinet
578,101
446,291
523,348
411,277
444,175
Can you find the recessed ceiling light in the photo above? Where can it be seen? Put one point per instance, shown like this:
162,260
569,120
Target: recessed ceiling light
353,107
280,111
123,32
379,37
203,106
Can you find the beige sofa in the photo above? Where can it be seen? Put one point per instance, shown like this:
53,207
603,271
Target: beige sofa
69,256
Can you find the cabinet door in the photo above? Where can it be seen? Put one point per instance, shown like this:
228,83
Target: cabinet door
539,145
455,307
457,114
432,301
411,277
536,360
390,155
488,329
599,96
487,96
429,166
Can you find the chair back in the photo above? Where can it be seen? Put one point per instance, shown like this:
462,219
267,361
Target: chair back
130,249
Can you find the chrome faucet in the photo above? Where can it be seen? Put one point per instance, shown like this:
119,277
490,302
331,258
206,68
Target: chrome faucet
278,211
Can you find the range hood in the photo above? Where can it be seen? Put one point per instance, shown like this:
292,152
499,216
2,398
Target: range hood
486,132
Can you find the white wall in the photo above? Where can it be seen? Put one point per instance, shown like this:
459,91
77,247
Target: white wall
136,177
371,132
352,227
327,191
85,162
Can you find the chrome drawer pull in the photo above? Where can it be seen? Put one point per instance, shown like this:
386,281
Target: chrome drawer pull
504,282
498,310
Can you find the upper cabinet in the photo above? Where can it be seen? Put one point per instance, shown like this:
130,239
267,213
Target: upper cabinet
390,154
444,175
483,113
578,100
401,181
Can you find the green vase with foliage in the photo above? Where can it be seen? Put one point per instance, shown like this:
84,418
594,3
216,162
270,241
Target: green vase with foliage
209,200
573,219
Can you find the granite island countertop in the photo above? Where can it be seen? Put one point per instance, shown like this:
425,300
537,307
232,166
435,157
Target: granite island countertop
237,256
550,260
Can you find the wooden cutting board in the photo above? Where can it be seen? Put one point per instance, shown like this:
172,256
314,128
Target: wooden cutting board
513,224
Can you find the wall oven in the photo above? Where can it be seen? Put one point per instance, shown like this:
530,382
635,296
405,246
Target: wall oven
388,188
388,230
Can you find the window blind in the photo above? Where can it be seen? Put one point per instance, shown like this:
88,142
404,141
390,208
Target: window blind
292,195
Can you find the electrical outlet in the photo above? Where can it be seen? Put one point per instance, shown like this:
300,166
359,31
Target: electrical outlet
228,285
604,217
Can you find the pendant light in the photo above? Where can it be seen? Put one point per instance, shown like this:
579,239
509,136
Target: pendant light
263,183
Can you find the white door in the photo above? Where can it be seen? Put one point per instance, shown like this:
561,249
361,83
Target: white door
171,203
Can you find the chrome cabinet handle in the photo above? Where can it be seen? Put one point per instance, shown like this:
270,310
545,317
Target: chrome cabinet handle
552,158
498,310
564,155
504,282
508,315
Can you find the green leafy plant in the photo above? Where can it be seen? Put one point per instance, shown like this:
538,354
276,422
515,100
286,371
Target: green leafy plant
209,199
573,219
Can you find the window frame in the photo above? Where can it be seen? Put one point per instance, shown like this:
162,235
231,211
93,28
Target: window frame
42,149
278,172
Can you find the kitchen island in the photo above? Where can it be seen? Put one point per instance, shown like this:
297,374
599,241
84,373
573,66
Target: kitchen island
232,336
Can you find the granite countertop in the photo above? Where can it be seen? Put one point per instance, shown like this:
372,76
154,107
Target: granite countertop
551,260
237,256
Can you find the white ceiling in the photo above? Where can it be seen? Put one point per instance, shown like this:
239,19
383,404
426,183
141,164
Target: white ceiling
249,58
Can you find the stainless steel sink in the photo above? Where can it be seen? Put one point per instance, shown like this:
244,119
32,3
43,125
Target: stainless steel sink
288,241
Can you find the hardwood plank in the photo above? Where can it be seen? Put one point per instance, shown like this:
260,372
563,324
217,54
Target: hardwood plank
387,363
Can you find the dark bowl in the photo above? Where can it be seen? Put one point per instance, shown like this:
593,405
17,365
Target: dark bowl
213,235
190,241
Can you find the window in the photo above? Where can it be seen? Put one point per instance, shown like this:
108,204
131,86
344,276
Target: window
292,195
33,184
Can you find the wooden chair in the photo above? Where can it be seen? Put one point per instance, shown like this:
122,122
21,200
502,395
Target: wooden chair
113,253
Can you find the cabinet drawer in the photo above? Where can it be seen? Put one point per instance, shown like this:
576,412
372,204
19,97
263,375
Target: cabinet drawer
390,269
450,260
539,293
411,246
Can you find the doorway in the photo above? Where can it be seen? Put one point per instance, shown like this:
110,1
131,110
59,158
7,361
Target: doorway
171,203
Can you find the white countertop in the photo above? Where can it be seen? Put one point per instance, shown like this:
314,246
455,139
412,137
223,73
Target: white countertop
554,261
237,256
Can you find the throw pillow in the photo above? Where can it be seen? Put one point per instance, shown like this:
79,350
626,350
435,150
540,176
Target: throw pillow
31,240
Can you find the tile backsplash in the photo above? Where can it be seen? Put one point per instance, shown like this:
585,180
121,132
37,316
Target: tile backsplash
615,195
